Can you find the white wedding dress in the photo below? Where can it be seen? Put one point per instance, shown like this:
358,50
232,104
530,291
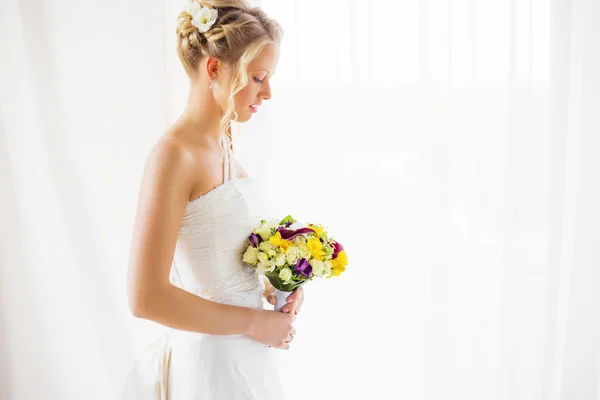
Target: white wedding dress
207,262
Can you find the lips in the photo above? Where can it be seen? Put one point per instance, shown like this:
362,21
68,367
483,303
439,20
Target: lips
254,108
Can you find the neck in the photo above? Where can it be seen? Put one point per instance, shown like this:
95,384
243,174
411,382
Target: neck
202,114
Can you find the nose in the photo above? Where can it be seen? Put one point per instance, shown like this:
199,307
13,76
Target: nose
265,94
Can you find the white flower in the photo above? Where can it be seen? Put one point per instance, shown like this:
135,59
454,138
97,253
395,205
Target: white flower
280,260
299,240
327,265
250,256
272,253
267,266
305,252
192,7
262,256
266,247
204,18
318,267
264,230
285,275
292,254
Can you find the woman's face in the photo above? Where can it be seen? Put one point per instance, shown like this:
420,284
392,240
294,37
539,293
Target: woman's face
258,89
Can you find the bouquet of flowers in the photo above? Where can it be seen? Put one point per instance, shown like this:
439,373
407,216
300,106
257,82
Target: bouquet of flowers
290,254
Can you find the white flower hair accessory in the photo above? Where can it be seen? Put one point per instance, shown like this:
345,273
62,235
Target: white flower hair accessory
203,17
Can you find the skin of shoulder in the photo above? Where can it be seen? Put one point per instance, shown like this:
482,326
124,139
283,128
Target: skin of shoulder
163,195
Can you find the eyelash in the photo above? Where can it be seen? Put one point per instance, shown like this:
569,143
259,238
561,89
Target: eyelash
258,80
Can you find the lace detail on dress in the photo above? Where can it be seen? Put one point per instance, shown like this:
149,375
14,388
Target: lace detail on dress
243,288
250,298
216,190
242,277
214,226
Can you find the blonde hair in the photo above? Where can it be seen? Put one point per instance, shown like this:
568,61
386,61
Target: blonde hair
237,37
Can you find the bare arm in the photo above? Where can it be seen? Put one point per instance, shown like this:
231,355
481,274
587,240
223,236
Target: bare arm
164,193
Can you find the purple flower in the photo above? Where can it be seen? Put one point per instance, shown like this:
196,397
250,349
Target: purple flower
337,247
255,240
303,267
288,224
289,234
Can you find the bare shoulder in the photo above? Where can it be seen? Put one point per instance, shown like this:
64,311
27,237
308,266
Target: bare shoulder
162,200
167,179
172,155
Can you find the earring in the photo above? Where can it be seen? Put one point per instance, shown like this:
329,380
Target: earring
212,82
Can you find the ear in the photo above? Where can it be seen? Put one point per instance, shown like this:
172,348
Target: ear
212,67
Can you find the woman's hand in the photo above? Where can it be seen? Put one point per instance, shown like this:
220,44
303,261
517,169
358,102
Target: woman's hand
294,301
272,328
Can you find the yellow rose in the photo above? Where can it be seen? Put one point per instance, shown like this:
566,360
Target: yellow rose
276,239
336,271
342,259
284,244
338,265
315,248
318,229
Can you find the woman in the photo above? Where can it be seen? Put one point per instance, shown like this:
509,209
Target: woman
193,218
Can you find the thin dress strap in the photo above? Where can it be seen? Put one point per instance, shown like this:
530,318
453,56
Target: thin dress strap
226,159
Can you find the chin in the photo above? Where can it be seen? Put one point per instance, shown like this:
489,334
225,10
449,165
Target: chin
244,118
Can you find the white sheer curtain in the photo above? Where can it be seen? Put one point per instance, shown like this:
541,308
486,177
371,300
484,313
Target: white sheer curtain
452,146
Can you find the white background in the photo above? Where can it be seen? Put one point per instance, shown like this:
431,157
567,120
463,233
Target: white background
452,146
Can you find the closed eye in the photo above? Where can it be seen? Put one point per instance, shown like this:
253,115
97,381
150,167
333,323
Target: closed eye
258,80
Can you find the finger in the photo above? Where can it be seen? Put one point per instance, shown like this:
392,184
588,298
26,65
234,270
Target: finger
285,346
296,294
290,308
271,299
294,300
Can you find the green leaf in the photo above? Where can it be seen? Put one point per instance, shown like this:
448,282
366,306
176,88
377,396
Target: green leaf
292,285
328,250
287,219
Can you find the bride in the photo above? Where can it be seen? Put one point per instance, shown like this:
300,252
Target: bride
195,211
